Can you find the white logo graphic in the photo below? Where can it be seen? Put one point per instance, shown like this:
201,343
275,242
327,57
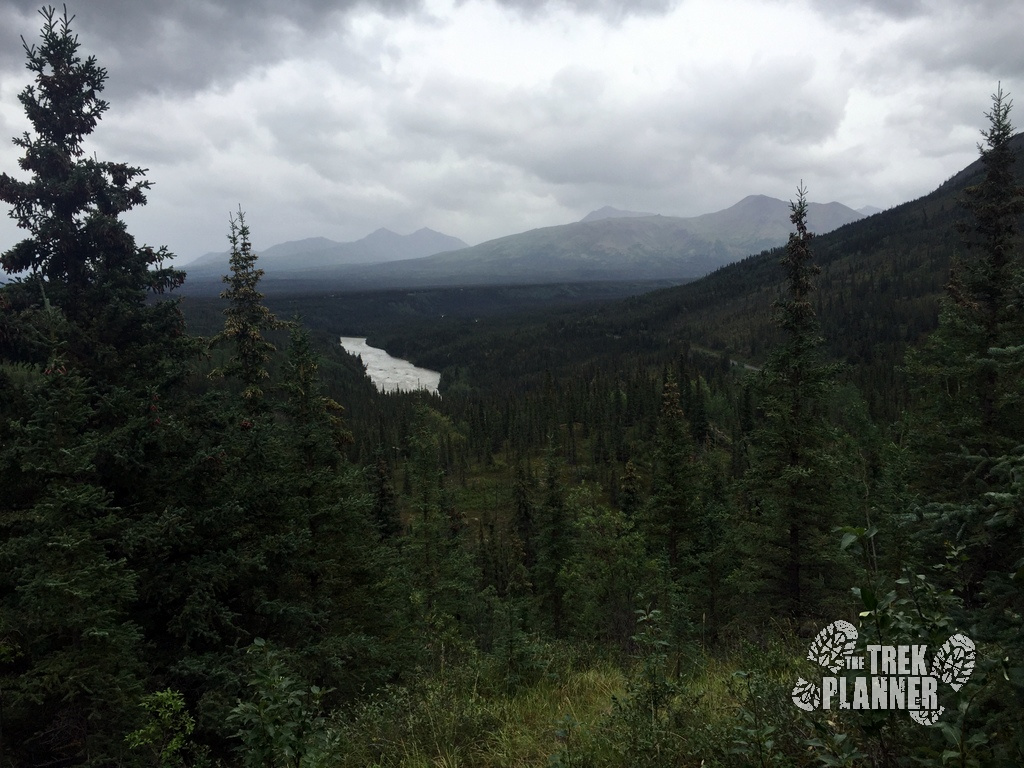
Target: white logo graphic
899,677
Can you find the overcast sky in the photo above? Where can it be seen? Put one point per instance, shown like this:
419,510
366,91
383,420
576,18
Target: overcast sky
480,118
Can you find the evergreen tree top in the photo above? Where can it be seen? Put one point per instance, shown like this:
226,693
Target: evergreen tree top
67,195
796,314
246,317
63,106
977,286
78,257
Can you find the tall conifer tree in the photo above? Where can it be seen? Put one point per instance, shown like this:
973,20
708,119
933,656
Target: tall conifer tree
79,255
790,512
247,318
553,543
81,447
967,404
674,497
968,416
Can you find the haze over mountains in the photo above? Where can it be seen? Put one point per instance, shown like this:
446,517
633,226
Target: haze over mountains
869,210
607,212
607,244
313,252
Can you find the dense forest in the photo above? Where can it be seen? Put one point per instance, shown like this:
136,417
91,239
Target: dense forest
612,541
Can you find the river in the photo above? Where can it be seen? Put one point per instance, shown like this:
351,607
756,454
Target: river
390,373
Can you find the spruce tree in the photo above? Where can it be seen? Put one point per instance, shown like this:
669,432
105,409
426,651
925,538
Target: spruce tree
331,572
981,287
79,255
968,419
246,318
674,496
604,573
790,506
553,544
97,366
524,515
385,499
682,529
968,401
441,571
631,497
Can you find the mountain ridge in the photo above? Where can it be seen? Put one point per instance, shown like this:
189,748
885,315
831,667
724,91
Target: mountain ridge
613,248
605,247
608,212
380,246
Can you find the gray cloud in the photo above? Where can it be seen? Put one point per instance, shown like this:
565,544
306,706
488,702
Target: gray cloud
576,132
178,47
611,10
898,9
973,39
493,117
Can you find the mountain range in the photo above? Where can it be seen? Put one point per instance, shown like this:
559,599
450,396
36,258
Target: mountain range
607,244
378,247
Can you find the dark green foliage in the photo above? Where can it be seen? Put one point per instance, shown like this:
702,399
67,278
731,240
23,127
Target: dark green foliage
790,499
969,373
443,599
596,482
969,433
385,500
674,498
89,364
246,317
699,424
281,723
630,493
165,734
65,592
675,518
553,545
606,573
524,517
982,287
274,536
151,527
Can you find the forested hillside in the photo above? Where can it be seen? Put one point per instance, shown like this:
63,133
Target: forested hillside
878,295
613,540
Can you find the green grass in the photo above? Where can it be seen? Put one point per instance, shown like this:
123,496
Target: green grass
461,718
532,720
458,719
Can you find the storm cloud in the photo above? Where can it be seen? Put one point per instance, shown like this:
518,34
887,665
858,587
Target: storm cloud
482,118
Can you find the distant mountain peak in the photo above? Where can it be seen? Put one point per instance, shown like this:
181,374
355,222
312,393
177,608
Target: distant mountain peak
381,245
607,212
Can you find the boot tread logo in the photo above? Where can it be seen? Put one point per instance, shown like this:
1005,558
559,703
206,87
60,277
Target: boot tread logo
891,676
